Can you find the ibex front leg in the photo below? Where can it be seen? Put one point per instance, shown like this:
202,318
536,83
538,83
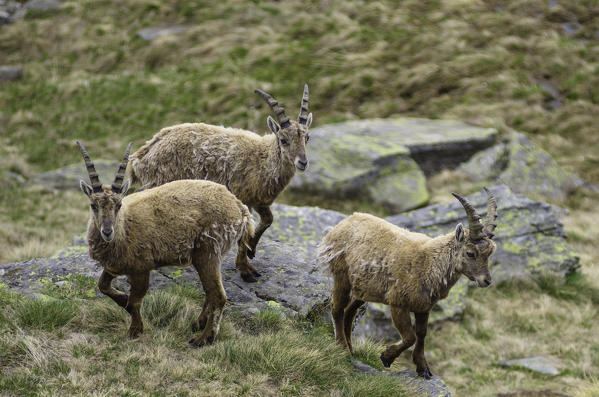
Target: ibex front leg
418,354
265,221
105,286
139,287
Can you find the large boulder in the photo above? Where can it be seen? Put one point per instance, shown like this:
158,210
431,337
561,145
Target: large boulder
387,160
524,167
530,240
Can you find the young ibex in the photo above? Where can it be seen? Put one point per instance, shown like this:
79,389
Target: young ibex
255,168
181,223
372,260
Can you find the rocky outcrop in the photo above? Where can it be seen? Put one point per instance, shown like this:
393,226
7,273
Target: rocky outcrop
530,240
387,160
538,364
11,11
524,167
69,176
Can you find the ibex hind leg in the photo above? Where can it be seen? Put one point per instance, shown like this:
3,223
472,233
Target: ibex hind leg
266,219
340,300
348,320
208,267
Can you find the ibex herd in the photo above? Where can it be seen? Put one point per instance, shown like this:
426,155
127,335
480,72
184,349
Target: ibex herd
197,184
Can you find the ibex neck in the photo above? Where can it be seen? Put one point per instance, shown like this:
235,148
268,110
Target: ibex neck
442,274
281,169
108,254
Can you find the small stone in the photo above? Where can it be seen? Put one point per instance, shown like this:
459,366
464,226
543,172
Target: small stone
152,33
10,73
538,364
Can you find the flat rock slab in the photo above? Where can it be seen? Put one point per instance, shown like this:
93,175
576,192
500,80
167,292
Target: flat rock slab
417,386
524,167
68,178
530,240
154,32
539,364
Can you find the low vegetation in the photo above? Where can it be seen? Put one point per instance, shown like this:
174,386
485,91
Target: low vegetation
524,65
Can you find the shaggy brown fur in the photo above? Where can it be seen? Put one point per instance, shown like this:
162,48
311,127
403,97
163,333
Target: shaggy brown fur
375,261
182,223
255,168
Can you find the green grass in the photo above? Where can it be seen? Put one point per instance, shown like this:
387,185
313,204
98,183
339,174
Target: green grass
86,341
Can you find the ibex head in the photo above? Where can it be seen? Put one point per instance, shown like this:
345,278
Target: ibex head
292,135
105,200
475,246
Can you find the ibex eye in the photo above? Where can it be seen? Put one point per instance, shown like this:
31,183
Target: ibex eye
284,141
94,207
470,254
307,138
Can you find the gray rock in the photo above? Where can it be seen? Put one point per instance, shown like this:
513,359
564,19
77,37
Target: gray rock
154,32
524,167
530,240
42,5
69,176
11,11
385,160
417,386
538,364
10,73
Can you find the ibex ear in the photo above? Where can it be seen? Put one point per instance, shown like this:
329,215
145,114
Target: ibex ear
459,233
309,121
272,124
85,188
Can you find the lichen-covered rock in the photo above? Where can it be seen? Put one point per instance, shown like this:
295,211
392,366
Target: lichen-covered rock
386,160
529,236
69,176
530,240
524,167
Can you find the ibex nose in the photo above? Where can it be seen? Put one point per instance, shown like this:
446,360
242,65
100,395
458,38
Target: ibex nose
487,281
304,164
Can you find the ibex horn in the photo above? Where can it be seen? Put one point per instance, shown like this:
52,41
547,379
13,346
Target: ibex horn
274,104
91,170
303,116
120,174
490,224
474,225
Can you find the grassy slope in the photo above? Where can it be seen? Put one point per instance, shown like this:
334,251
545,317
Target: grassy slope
88,76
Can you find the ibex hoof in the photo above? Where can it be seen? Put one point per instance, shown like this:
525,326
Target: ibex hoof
248,278
256,274
425,373
198,326
386,361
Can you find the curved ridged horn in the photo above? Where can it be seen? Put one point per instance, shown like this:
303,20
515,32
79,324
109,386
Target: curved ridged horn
274,104
120,174
303,115
490,224
474,225
91,170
